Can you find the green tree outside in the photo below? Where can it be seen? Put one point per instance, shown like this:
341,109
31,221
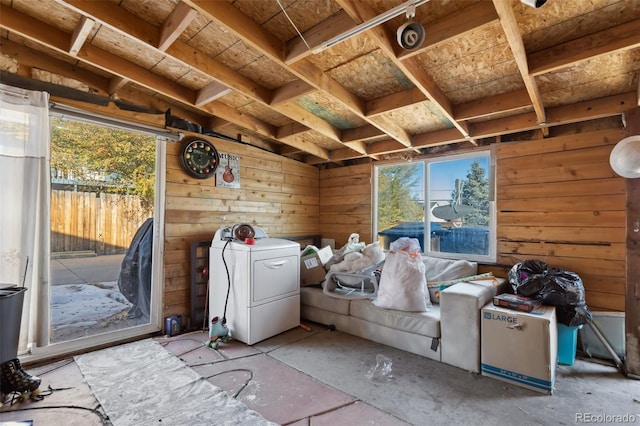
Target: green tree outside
396,203
475,193
110,160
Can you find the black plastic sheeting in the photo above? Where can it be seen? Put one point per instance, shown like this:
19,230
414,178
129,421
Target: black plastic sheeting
552,286
134,281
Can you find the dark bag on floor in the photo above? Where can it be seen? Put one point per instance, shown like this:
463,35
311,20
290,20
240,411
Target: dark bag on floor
552,286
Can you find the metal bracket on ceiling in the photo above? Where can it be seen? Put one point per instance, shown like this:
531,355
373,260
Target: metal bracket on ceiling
411,11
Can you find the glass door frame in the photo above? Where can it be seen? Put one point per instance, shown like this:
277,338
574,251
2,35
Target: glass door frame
157,279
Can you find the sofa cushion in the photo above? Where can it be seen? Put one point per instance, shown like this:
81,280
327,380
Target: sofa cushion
423,323
313,296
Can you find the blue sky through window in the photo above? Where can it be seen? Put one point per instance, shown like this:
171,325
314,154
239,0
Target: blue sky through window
443,175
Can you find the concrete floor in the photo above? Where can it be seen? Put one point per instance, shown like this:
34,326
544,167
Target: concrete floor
321,378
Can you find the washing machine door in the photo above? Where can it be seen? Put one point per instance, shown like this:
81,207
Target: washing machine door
275,277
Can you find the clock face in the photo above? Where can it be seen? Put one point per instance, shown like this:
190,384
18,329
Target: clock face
199,158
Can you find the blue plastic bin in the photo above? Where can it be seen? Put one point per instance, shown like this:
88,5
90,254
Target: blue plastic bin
567,342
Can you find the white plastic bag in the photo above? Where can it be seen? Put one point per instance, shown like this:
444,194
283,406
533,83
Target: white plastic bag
403,285
410,245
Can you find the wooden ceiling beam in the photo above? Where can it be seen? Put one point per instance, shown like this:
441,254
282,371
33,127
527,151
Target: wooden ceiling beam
297,49
290,92
175,24
290,130
591,110
445,29
438,137
218,123
33,59
582,111
345,154
57,40
261,128
514,38
506,125
387,146
104,12
300,144
109,14
621,37
452,26
492,105
567,114
358,146
228,16
115,84
394,101
117,18
361,12
80,35
361,133
211,92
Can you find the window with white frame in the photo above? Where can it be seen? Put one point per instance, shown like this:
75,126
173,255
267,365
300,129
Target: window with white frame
445,202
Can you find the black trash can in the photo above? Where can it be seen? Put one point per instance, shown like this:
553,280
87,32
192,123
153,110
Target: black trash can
11,301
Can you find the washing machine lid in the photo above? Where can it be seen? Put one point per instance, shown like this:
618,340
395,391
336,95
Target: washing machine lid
265,244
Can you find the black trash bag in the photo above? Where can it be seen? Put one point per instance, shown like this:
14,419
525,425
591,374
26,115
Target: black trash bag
562,288
527,278
552,286
573,316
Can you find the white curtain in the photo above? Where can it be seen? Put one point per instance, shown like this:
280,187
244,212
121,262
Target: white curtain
24,206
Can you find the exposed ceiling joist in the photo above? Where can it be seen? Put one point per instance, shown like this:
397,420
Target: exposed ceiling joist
211,92
227,15
485,107
299,48
196,58
621,37
410,67
82,31
115,84
118,19
510,26
175,24
454,25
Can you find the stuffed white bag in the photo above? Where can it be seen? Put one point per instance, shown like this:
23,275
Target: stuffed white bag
403,285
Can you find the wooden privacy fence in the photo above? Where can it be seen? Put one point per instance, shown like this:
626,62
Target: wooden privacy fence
93,221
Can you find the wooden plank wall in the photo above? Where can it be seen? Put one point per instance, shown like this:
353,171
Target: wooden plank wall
559,201
277,194
345,194
632,314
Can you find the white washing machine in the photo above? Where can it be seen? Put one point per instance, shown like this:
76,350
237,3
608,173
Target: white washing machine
263,282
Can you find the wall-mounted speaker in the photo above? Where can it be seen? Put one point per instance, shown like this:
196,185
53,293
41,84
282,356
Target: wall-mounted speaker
410,35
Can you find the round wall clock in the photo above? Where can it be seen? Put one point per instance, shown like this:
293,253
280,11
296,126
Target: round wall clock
199,158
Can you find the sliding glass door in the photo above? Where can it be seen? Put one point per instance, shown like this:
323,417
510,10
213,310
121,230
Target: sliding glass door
103,184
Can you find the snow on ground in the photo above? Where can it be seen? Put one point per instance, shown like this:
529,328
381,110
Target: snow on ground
85,305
